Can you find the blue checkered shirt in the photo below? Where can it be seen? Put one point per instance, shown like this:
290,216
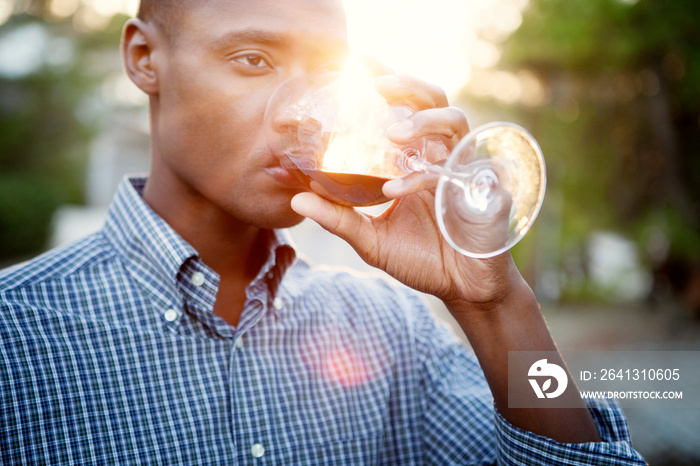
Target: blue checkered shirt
110,354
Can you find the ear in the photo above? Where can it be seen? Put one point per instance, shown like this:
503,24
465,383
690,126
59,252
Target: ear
138,45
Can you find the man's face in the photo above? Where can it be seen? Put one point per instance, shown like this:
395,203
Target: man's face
216,75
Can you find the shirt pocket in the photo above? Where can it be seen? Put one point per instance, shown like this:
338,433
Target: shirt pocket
328,422
340,410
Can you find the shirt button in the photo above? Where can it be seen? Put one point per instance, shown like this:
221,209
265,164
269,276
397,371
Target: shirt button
257,450
277,303
239,343
171,315
198,279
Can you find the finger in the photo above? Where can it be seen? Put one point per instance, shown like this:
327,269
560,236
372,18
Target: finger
447,122
400,89
410,184
375,67
342,221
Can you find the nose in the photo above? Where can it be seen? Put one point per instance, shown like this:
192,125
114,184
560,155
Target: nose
296,134
293,107
299,117
300,136
298,69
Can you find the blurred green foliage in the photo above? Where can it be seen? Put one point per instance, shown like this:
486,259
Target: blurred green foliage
621,125
48,116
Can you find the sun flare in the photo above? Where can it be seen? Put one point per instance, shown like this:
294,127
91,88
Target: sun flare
358,143
425,39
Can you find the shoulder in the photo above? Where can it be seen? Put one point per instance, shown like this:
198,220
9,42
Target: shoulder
54,266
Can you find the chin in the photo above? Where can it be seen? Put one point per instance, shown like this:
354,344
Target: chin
289,222
285,218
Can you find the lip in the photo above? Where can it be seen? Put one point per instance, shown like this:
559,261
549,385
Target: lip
282,176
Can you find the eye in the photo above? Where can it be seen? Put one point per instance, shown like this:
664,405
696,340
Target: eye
252,60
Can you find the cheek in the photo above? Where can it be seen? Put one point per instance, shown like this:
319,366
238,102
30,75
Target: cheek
207,120
210,124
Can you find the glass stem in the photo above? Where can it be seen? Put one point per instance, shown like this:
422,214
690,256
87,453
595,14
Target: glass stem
413,162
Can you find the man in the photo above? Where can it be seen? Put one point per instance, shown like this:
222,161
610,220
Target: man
187,331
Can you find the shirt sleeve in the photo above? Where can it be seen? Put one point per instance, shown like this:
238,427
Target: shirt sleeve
517,446
461,425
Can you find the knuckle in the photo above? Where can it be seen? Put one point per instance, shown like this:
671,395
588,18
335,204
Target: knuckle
460,119
458,114
432,93
439,95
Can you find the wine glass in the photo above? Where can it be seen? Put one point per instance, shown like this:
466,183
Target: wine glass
329,128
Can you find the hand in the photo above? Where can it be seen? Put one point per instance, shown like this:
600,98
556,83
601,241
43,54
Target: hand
488,297
405,241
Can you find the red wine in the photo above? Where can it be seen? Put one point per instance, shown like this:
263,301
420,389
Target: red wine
343,188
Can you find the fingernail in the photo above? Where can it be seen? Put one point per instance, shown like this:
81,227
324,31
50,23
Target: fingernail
303,204
392,187
387,80
401,130
386,83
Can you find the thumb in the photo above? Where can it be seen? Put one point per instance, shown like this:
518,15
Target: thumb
343,221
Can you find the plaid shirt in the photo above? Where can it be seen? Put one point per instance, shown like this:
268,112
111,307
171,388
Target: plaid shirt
110,354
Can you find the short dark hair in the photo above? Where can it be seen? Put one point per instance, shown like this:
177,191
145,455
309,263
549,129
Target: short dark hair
165,14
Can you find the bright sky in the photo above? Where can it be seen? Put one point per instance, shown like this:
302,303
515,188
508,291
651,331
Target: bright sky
429,42
438,40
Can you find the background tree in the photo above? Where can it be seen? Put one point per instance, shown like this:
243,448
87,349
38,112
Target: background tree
50,72
619,123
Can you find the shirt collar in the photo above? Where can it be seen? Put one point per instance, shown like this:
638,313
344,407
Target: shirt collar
152,250
165,264
281,257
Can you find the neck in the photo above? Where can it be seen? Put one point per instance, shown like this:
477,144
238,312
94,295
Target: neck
234,250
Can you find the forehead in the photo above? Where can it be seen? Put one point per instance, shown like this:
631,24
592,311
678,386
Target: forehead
316,21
